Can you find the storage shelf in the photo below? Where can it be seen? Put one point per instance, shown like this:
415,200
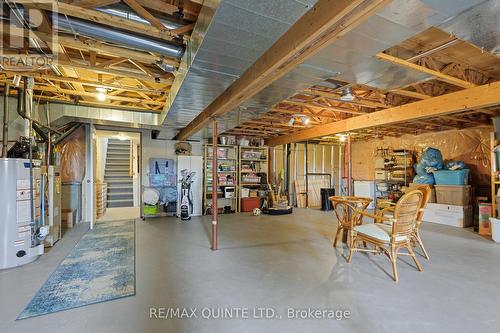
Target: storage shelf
231,161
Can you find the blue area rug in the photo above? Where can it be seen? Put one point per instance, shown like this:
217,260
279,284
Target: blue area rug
101,267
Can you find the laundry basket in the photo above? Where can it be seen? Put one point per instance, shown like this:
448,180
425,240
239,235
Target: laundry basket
495,229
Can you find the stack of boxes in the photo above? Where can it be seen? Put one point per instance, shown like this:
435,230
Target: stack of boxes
453,200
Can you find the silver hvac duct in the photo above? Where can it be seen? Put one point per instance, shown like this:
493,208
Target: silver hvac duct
125,12
72,25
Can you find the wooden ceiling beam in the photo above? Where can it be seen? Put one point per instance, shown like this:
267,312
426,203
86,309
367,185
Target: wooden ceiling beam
320,26
412,94
438,75
67,100
84,93
93,3
85,82
184,29
468,99
90,45
142,12
103,18
322,106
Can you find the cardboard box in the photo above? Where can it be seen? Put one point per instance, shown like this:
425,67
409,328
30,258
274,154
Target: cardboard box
68,218
432,198
457,195
456,216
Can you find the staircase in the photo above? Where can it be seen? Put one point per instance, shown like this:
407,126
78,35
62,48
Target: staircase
117,174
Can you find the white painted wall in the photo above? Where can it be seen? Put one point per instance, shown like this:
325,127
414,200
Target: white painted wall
161,149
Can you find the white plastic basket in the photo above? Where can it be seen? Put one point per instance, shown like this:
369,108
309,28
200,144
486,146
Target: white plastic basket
495,229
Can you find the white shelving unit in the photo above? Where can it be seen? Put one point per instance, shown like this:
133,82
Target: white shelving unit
227,182
251,162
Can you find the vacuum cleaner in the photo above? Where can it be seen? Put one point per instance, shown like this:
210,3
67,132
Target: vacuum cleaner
186,194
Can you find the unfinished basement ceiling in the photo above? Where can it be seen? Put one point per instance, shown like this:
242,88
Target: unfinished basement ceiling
230,36
352,57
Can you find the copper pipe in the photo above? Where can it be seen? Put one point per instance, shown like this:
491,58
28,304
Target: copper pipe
214,184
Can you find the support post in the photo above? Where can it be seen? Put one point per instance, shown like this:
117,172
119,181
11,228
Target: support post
307,176
214,184
349,166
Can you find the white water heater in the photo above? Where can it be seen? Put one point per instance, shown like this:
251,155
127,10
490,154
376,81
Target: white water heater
19,216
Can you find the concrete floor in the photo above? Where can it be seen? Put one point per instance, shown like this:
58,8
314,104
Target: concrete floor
278,262
120,213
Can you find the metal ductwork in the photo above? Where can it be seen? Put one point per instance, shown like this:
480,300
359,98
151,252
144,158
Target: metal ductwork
124,11
80,27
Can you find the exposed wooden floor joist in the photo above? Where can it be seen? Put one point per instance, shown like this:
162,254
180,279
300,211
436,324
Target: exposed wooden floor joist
321,25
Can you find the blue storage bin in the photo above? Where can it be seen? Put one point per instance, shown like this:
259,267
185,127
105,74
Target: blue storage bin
452,177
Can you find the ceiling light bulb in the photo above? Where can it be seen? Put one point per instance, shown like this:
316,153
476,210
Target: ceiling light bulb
305,120
101,89
291,121
347,95
101,96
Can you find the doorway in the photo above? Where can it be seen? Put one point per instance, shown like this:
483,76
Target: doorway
117,175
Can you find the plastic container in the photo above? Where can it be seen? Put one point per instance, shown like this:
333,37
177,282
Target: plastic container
495,229
484,216
457,195
248,204
496,125
150,210
452,177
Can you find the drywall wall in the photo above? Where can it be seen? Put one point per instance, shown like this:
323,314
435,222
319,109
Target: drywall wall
161,149
469,145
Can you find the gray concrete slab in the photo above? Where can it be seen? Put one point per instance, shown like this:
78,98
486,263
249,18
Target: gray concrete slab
276,262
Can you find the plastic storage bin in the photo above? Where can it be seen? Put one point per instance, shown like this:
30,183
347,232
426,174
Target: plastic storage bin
458,195
452,177
248,204
495,229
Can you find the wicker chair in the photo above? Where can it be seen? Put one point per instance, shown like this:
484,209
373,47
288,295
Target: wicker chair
390,238
347,209
426,191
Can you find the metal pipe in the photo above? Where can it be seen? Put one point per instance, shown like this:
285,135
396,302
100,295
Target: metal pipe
340,172
349,168
28,93
72,26
5,132
125,12
307,177
214,184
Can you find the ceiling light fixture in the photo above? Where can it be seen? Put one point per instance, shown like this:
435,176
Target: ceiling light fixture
101,95
302,117
347,95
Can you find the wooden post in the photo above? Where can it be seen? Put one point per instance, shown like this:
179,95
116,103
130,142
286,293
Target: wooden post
214,184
